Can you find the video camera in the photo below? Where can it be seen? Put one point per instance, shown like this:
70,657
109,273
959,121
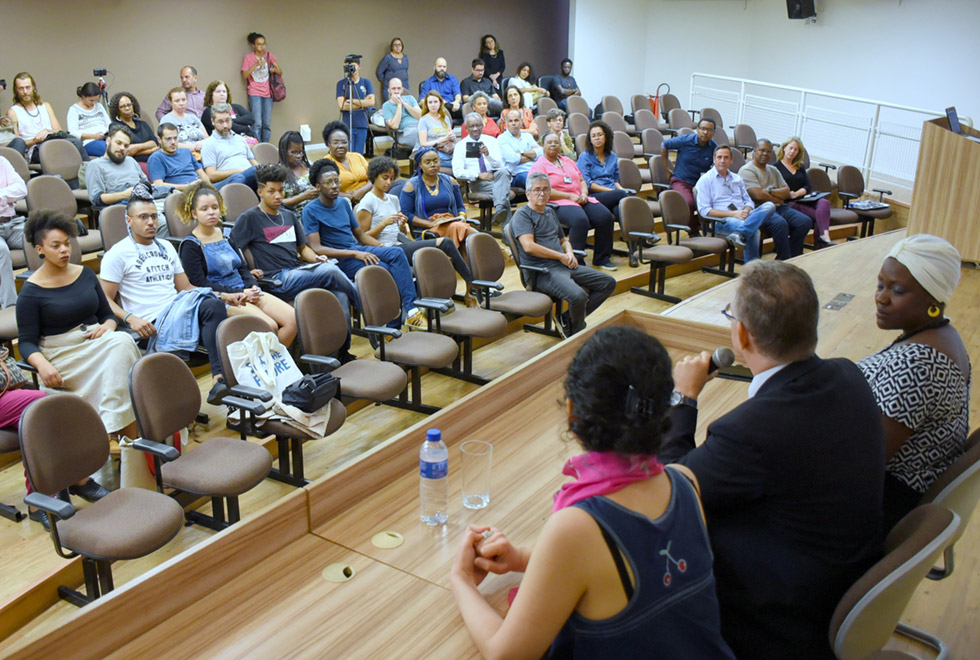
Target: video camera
349,64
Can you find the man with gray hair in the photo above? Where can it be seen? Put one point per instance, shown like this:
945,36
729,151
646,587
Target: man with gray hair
195,96
765,183
542,243
402,113
226,157
792,479
476,159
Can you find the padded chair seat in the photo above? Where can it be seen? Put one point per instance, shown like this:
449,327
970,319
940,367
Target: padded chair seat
654,208
222,467
17,259
421,349
82,196
338,414
525,303
474,322
710,244
125,524
669,254
9,440
20,208
368,379
891,655
485,196
842,217
875,213
8,323
91,242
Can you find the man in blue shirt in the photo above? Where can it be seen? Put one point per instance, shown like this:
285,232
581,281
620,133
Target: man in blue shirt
694,157
171,166
448,87
333,231
401,112
518,149
355,98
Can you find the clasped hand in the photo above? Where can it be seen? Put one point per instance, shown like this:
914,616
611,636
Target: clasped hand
477,556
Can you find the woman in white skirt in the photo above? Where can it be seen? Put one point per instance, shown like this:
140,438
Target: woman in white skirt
67,332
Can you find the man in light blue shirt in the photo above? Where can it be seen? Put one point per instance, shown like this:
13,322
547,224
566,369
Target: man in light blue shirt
518,149
721,194
401,113
226,157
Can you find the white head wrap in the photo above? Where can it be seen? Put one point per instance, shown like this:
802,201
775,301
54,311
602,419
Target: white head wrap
932,261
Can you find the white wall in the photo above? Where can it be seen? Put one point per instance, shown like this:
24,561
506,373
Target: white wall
920,53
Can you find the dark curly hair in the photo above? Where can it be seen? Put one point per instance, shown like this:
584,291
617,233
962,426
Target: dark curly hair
320,165
379,165
607,131
40,222
114,105
271,174
619,384
335,125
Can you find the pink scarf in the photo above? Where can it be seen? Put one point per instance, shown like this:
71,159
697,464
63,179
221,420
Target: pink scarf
601,473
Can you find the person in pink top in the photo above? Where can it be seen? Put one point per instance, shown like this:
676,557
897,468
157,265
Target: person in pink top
577,212
256,67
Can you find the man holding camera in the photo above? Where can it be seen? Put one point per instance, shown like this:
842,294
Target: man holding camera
355,98
476,159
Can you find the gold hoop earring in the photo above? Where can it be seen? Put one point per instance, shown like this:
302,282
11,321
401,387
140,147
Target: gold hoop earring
934,311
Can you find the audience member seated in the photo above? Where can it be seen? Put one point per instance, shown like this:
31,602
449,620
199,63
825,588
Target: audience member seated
226,157
623,503
764,184
564,85
543,243
401,114
527,83
576,209
476,82
518,149
88,120
694,157
195,96
789,162
493,59
275,237
352,166
256,68
242,120
355,98
12,190
380,217
432,200
791,479
446,85
13,403
515,102
393,65
479,104
721,195
297,190
921,381
156,299
67,330
33,121
8,138
210,261
476,160
123,107
600,167
171,165
556,126
191,132
436,128
111,178
332,231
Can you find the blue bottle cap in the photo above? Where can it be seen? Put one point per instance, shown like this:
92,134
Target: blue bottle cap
433,435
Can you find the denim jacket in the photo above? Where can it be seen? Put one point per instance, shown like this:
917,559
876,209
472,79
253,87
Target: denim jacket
177,327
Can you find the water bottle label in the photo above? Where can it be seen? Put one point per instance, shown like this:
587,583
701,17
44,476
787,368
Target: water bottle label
430,470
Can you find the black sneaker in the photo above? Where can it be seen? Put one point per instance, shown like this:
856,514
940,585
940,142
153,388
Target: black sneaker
218,392
40,516
90,491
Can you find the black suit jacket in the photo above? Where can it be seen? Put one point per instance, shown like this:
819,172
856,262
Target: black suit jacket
791,482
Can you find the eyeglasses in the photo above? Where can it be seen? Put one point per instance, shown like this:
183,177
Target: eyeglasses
147,216
539,191
727,313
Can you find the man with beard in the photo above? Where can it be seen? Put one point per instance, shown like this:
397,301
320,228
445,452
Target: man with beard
110,179
448,87
227,157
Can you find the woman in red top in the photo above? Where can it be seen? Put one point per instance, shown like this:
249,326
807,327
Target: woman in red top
480,103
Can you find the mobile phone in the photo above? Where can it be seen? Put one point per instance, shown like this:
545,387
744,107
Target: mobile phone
472,149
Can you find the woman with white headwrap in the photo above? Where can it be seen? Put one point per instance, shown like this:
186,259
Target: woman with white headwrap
921,380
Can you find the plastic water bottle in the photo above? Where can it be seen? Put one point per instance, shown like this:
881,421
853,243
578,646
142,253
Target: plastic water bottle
434,479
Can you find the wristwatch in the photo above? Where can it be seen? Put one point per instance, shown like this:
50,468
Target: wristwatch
678,399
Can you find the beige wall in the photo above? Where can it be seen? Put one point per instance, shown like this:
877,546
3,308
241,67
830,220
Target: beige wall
144,46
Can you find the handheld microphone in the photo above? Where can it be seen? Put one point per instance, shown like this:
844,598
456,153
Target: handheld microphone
722,357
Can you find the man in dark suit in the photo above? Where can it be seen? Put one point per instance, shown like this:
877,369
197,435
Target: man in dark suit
792,479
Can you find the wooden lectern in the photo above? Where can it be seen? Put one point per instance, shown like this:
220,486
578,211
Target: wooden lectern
946,196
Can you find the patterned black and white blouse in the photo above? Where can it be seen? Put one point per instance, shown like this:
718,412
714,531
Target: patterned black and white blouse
924,390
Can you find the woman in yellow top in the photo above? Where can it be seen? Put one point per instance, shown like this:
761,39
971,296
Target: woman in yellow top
353,166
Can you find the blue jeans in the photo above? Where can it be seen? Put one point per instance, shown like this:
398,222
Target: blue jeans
261,109
245,176
749,228
320,276
358,139
519,180
393,260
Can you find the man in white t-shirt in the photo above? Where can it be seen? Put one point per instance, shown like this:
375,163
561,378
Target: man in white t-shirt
156,300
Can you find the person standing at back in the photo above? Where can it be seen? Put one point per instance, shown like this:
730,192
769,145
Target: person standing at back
355,98
256,67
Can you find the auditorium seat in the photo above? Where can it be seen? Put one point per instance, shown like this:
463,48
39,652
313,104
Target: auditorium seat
125,524
577,124
176,227
668,102
9,443
581,144
623,146
49,192
238,199
711,113
652,141
644,119
112,223
678,119
528,273
638,225
266,153
576,103
20,166
850,186
546,103
820,182
60,158
745,139
632,177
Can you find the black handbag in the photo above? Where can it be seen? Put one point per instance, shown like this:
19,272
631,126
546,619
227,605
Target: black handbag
312,392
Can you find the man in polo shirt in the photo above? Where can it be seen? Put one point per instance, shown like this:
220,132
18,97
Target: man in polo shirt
171,166
477,82
110,179
447,85
694,157
476,159
195,96
402,113
764,183
226,157
518,149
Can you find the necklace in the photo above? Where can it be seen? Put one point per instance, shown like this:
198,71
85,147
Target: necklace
29,113
276,219
922,328
433,190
